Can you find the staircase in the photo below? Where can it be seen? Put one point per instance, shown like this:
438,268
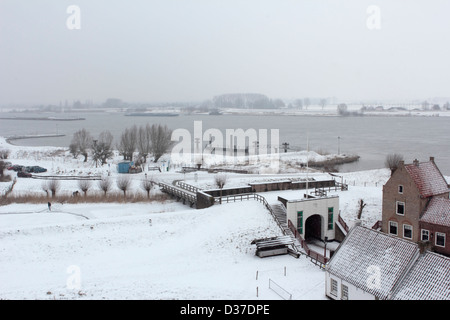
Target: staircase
280,214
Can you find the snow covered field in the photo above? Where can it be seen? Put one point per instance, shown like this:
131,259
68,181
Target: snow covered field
155,250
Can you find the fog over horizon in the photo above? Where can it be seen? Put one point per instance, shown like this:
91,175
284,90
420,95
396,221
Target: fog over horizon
193,50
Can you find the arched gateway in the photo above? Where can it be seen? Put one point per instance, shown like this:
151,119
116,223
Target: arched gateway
313,227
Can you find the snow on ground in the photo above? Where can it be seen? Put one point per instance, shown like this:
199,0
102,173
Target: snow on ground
156,250
185,254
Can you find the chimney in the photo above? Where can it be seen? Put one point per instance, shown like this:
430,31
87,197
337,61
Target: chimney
416,162
432,159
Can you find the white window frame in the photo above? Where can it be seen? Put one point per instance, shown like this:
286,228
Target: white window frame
344,292
396,208
333,287
404,227
396,227
436,237
400,187
427,233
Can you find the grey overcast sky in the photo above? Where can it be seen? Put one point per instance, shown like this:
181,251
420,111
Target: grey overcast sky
192,50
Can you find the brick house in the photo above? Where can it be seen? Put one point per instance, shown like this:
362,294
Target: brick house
416,205
435,225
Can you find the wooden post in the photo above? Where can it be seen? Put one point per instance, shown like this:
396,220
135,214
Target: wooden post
256,274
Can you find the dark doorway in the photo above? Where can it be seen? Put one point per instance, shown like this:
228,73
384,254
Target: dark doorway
313,227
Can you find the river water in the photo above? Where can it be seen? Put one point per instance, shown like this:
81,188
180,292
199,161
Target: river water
370,137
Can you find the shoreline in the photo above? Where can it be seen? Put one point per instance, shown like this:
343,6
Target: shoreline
42,118
9,139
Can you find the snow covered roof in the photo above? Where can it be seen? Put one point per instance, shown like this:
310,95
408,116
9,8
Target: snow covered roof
427,177
437,212
365,252
428,279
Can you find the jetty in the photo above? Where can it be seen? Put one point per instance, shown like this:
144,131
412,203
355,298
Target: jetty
43,118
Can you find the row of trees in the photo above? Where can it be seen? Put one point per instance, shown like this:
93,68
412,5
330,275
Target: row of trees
123,183
147,140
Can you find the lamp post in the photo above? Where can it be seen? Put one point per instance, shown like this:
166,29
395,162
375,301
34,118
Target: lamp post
339,145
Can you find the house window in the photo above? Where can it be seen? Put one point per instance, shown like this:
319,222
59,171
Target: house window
400,189
440,239
400,208
393,227
330,218
425,235
407,231
344,292
334,287
300,222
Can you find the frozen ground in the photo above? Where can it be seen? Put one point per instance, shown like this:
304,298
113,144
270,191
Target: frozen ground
155,250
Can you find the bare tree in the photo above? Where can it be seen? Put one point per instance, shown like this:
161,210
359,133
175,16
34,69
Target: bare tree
2,169
144,141
393,161
44,187
342,109
306,103
220,179
102,148
84,185
80,144
323,103
4,153
147,186
362,205
105,184
53,186
298,103
124,183
73,149
161,140
127,143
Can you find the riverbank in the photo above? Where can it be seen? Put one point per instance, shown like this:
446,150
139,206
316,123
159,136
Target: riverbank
43,118
32,136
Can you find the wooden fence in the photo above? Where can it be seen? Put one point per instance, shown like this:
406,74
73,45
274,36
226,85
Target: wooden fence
66,177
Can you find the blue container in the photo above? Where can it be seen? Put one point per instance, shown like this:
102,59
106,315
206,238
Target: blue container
124,167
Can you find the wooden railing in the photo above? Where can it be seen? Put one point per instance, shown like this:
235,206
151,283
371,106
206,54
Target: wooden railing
343,224
187,187
342,186
310,253
377,225
178,192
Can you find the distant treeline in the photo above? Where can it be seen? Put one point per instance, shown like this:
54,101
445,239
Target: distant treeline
247,101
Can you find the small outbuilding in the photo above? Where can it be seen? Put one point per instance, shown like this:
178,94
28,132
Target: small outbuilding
124,167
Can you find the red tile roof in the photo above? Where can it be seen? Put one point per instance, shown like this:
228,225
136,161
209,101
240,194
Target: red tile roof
437,212
428,179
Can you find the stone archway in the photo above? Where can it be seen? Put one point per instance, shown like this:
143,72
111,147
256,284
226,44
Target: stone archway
313,227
